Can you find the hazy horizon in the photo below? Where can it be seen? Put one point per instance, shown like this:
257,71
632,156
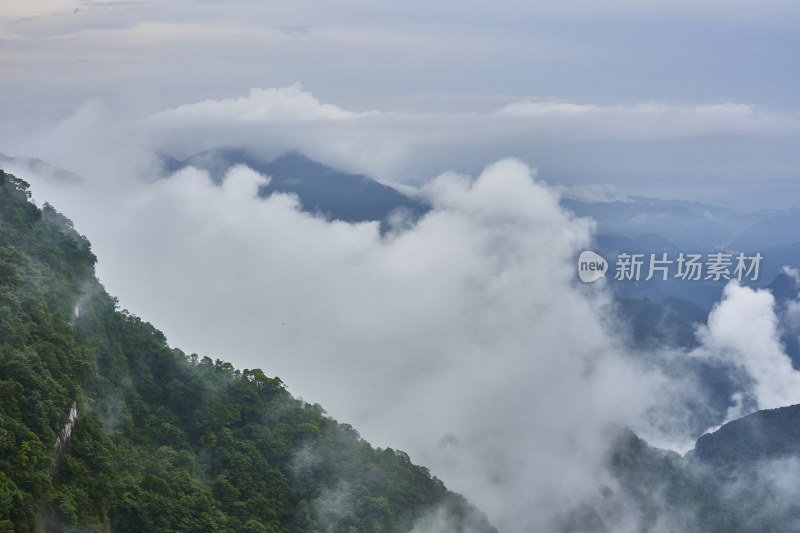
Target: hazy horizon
665,99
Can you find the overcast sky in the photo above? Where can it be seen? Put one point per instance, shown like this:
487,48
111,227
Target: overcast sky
668,98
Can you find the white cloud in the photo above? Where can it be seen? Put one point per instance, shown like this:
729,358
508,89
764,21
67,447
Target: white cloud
594,192
65,52
645,121
764,492
22,9
743,331
391,145
274,105
793,273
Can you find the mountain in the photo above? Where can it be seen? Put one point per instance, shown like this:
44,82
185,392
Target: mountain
104,427
691,225
785,289
753,464
649,490
671,323
321,189
652,226
661,490
772,230
686,224
743,478
37,167
699,293
768,434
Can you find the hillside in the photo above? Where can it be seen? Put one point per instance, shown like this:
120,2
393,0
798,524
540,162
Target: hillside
740,479
768,434
753,464
162,440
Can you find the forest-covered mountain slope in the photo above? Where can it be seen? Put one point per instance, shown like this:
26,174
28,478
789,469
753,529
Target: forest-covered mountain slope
164,441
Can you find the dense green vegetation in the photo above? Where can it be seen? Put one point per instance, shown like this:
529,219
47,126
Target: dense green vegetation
164,441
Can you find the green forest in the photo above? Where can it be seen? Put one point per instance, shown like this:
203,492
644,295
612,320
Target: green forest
164,441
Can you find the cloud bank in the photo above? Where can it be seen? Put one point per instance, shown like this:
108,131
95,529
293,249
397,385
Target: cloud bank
577,144
274,105
651,148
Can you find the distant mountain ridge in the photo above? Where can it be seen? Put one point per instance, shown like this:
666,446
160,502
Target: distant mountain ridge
322,190
651,226
33,165
684,223
767,434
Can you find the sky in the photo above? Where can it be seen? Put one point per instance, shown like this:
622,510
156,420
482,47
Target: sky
468,323
695,100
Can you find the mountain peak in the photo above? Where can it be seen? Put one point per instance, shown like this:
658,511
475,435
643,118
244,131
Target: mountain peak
322,190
